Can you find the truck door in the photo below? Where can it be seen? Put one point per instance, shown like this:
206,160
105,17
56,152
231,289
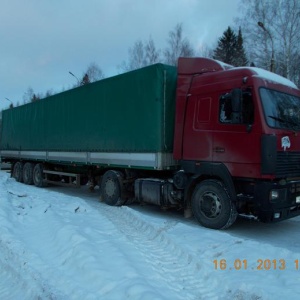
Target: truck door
235,142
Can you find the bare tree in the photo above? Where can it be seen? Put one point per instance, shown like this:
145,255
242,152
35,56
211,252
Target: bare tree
278,34
141,55
178,46
92,74
145,53
136,57
49,93
287,28
31,96
205,51
257,41
295,72
28,95
36,97
152,55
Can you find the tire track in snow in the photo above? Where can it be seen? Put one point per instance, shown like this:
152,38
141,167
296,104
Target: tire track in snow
178,269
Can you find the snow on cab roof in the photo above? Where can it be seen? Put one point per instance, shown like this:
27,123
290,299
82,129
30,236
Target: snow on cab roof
224,65
264,74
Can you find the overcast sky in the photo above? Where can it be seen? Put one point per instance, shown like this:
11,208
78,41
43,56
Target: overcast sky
42,40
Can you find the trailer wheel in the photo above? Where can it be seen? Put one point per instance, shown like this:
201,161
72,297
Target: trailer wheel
18,171
112,187
38,175
212,205
28,173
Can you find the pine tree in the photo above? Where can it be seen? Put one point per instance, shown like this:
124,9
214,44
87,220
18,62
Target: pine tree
230,49
241,59
225,50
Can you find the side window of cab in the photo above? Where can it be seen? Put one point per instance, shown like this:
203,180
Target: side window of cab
236,107
225,109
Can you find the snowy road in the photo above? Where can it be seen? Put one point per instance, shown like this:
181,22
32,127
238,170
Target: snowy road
61,243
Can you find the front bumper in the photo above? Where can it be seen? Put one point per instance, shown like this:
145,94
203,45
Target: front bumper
285,205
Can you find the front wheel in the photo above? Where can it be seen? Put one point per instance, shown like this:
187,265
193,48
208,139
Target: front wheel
212,205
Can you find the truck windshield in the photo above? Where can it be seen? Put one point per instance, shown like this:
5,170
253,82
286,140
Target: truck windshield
281,110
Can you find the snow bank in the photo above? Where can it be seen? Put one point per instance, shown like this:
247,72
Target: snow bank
60,243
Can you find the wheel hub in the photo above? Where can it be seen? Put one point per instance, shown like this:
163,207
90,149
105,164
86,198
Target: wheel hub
110,187
210,205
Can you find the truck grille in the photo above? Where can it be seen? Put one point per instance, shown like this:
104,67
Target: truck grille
288,164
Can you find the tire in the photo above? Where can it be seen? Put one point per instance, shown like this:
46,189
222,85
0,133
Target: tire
38,175
212,206
111,188
28,173
18,171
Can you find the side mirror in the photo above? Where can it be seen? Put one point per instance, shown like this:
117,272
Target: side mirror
236,104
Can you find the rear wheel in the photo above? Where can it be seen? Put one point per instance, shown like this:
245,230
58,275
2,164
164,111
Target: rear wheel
38,175
212,205
112,187
28,173
18,171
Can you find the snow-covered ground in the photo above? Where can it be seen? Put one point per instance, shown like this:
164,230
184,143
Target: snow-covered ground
61,243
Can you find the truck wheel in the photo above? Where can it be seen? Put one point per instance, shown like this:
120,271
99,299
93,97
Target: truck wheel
111,188
18,171
38,175
212,206
28,173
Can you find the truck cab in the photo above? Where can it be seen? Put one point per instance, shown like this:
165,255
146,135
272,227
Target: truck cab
237,131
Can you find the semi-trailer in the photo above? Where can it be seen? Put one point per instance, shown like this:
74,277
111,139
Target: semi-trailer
204,137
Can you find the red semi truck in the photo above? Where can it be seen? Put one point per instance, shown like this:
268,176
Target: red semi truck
227,144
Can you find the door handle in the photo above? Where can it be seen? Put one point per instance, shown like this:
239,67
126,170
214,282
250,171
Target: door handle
219,149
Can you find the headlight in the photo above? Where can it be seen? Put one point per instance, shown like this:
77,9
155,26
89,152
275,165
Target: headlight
276,216
274,195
